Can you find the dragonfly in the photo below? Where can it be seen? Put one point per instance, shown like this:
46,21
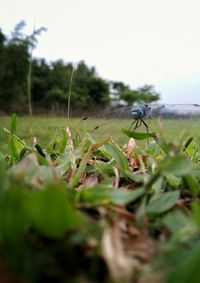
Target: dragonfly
144,111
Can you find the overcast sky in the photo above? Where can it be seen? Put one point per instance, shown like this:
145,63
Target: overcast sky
135,41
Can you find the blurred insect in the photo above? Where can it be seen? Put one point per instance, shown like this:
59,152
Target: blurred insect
143,111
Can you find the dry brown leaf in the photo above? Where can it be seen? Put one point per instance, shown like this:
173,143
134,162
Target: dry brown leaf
130,146
71,149
119,263
117,177
122,212
131,162
138,244
90,180
68,174
82,177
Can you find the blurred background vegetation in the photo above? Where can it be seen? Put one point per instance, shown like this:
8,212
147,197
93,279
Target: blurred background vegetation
49,83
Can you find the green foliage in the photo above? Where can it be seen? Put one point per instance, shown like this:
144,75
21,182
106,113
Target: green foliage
162,203
48,83
138,135
143,94
75,202
100,195
51,213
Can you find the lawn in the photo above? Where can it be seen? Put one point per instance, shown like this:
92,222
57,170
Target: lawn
82,211
43,128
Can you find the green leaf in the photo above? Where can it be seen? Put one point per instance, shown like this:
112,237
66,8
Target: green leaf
79,171
63,167
51,212
152,148
15,147
103,167
176,220
138,135
13,224
117,155
192,183
178,165
102,195
2,173
173,180
134,177
162,203
13,123
186,267
196,212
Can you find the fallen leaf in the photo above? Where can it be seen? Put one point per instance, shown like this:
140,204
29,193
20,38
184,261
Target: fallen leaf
131,146
119,264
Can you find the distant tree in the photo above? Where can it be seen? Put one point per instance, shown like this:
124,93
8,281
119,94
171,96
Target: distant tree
89,90
144,94
131,96
119,87
15,66
55,95
41,80
98,92
48,84
148,94
2,49
2,39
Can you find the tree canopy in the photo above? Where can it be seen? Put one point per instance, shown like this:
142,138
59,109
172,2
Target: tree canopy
50,81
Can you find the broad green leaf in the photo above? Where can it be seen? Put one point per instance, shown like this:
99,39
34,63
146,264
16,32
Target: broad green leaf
118,156
152,148
138,135
186,267
192,183
174,181
63,167
157,187
79,171
134,177
13,224
176,220
103,167
15,148
102,195
2,174
196,212
162,203
51,213
178,165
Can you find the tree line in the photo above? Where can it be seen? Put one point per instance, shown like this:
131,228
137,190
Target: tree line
48,85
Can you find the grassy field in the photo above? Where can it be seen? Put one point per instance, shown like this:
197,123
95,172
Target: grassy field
44,128
79,211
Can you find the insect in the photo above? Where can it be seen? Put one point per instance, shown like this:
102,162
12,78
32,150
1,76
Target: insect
143,111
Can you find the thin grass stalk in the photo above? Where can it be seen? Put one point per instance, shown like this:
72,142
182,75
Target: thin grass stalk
30,111
69,94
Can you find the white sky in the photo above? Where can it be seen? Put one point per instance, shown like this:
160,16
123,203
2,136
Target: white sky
135,41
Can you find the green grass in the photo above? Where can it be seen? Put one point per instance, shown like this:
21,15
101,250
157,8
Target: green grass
80,210
43,128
